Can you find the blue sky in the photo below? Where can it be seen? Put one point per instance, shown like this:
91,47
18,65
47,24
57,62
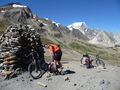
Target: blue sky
100,14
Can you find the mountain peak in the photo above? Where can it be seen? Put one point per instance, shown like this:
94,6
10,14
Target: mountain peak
15,12
78,25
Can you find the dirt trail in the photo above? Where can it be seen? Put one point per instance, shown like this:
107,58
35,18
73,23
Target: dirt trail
83,79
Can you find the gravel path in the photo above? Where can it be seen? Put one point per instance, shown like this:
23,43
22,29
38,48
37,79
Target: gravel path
78,78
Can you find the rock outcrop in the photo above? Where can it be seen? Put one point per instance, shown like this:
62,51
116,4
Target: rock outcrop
103,39
117,38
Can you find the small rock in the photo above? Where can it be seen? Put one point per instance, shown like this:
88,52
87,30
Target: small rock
23,80
81,85
49,79
108,83
17,80
31,80
66,79
74,84
67,67
102,82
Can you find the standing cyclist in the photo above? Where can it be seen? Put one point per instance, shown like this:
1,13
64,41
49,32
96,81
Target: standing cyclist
55,53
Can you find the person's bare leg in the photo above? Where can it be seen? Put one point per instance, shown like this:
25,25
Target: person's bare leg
55,64
59,63
61,68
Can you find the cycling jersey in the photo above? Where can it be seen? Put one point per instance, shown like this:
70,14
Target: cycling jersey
54,48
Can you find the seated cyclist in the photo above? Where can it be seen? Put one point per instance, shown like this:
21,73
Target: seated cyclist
86,60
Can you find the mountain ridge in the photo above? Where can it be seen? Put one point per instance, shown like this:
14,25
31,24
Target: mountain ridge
18,13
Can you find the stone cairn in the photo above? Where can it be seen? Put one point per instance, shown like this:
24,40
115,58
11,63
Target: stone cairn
15,45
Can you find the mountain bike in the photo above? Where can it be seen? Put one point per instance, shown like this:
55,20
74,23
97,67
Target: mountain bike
38,66
99,62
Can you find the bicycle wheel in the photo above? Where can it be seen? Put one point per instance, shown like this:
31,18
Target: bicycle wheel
81,61
35,73
100,63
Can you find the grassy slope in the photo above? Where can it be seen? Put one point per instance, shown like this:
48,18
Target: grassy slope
111,54
3,25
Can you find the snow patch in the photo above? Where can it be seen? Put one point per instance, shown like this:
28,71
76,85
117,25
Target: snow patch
47,18
15,6
86,30
70,28
57,24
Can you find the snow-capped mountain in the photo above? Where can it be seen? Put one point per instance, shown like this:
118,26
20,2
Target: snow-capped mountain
90,33
78,25
95,36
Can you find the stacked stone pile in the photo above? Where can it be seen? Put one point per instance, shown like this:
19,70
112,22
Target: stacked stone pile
15,45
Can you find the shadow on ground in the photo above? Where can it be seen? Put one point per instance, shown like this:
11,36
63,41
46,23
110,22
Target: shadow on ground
69,72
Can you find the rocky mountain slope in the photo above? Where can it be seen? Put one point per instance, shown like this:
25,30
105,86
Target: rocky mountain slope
77,38
117,38
104,39
17,13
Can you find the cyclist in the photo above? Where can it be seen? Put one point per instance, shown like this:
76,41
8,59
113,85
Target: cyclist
55,53
86,61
